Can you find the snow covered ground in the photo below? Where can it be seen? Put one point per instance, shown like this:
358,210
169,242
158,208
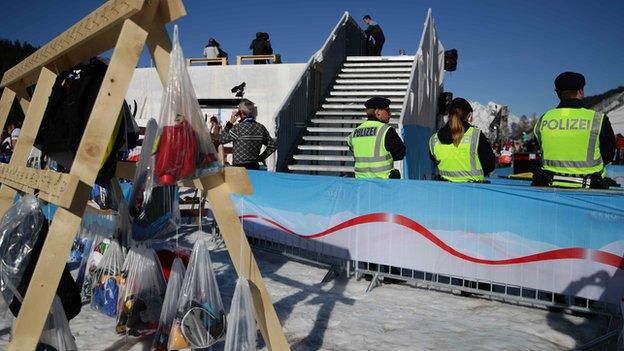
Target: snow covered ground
339,315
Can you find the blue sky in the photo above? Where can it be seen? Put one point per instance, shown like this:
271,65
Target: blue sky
509,51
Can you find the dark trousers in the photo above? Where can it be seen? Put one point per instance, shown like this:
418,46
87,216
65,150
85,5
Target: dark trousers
376,48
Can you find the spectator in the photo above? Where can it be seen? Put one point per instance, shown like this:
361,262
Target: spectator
215,132
374,31
261,46
213,50
14,130
248,137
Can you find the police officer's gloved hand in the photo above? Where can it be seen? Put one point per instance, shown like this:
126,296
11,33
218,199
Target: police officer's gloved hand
395,174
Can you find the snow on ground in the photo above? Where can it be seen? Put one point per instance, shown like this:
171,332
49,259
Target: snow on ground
339,315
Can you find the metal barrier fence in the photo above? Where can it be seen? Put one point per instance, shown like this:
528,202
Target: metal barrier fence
347,38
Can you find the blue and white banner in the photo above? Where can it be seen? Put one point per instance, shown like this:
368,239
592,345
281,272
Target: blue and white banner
569,242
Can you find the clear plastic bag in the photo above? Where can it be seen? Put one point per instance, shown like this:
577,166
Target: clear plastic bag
153,210
143,293
170,305
56,334
183,148
241,335
200,319
107,281
20,229
98,250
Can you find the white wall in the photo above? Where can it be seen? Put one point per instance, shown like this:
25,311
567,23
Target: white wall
267,86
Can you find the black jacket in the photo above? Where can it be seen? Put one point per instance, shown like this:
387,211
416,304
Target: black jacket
261,47
484,150
374,30
606,136
393,143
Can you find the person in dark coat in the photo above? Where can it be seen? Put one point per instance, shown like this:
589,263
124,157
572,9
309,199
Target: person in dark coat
374,31
261,46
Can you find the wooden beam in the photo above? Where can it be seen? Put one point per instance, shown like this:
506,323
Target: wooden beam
6,101
22,96
171,10
219,194
112,13
86,165
160,47
30,127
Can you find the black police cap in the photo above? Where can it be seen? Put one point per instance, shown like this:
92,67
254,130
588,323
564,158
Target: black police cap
460,103
569,81
377,102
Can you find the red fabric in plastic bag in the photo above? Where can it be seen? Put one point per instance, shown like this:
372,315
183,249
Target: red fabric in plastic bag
166,258
176,154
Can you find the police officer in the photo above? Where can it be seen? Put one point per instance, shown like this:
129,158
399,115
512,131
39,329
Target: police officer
576,142
461,151
375,144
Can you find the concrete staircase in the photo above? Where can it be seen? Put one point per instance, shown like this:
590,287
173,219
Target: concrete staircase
323,149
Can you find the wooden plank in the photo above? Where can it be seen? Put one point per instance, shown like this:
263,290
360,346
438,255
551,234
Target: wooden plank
22,96
99,21
160,47
86,165
276,58
24,144
6,101
218,193
221,60
55,187
171,10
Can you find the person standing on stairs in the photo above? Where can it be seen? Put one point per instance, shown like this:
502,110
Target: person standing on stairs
374,31
375,144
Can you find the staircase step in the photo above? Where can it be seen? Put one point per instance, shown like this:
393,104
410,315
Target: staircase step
379,58
377,69
321,168
368,94
324,138
329,130
356,106
393,121
359,99
402,88
323,148
379,64
323,158
372,81
373,75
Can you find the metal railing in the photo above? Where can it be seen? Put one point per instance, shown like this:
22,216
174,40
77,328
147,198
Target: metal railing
346,39
610,104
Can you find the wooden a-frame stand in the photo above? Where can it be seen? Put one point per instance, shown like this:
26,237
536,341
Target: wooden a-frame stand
125,25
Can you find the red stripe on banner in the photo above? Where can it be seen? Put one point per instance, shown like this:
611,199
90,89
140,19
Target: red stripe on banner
608,258
558,254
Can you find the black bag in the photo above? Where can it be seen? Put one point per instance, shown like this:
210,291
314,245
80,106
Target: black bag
67,113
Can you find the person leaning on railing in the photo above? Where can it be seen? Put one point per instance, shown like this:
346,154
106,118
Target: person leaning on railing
461,151
576,142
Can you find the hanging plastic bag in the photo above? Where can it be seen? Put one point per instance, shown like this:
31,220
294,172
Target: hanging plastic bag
183,149
56,334
241,335
23,231
144,291
98,250
170,305
200,318
153,210
107,280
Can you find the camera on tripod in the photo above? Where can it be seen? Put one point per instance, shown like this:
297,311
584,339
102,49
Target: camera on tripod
239,90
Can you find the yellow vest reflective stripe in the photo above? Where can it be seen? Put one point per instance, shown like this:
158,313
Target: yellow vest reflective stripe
367,141
458,163
569,141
